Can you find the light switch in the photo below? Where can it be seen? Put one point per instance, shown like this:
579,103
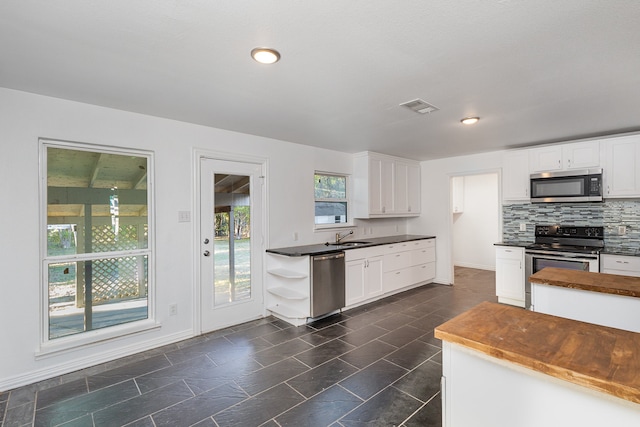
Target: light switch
184,216
523,226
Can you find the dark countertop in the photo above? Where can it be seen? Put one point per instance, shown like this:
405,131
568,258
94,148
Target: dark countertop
595,282
593,356
621,251
515,244
322,248
606,250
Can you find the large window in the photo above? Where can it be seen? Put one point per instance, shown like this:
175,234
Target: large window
97,256
330,199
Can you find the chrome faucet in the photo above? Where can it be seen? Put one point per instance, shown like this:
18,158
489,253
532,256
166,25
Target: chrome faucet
339,237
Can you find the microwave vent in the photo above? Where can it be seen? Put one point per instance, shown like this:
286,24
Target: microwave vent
420,106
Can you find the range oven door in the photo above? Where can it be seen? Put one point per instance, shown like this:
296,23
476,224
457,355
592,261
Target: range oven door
535,262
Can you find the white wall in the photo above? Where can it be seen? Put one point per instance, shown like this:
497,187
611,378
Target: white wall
436,215
26,117
476,229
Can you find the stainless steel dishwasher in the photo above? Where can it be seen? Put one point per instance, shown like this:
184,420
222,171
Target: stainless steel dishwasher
327,283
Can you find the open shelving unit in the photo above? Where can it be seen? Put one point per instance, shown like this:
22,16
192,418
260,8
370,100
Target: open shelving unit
289,288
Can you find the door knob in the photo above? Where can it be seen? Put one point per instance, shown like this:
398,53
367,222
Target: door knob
206,241
207,253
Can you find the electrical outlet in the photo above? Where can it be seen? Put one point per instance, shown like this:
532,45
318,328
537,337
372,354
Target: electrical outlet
173,309
523,226
622,230
184,216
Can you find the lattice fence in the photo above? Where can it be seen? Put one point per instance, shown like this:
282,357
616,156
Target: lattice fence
117,278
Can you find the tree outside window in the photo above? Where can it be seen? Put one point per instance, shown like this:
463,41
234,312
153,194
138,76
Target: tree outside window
330,199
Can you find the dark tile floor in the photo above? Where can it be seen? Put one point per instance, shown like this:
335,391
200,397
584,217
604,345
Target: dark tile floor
376,365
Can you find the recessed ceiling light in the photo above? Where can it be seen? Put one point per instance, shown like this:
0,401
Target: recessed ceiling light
470,120
265,55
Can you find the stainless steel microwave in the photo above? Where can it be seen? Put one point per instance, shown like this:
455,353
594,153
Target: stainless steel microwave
584,185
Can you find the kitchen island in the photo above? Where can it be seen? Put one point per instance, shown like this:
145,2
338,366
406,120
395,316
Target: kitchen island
505,366
604,299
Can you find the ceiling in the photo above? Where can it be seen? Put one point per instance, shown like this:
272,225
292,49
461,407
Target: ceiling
534,71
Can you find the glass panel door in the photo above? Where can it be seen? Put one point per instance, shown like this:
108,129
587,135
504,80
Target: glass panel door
231,243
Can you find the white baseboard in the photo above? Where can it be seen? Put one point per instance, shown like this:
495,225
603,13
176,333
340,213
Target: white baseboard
85,362
477,266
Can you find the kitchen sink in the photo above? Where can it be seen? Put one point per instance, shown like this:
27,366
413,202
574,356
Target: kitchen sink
350,243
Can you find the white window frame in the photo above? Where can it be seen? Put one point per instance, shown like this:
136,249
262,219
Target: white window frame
349,222
49,347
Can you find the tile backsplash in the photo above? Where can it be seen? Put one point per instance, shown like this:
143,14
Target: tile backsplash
611,214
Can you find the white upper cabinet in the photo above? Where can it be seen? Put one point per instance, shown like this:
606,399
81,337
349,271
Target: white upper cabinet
385,186
457,194
579,155
515,178
621,162
406,189
413,188
545,158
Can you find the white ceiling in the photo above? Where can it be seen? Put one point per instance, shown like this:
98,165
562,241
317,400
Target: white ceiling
534,70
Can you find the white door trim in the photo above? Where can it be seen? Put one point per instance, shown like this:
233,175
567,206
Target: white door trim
197,155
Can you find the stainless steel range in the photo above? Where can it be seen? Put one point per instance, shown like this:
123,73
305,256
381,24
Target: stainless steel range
563,246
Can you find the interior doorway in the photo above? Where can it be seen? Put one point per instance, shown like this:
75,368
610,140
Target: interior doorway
476,220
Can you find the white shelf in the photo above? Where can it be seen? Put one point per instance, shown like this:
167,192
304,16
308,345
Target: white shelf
287,274
287,293
288,312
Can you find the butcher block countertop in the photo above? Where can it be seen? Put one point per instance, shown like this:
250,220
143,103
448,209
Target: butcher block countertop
586,281
596,357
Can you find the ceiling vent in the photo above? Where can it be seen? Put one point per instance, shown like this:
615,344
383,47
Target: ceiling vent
420,106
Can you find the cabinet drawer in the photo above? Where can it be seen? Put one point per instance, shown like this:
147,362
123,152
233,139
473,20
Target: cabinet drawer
363,253
424,272
398,247
397,279
421,244
421,256
397,260
622,263
509,252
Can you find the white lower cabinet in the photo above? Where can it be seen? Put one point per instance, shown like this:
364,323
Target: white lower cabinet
363,271
383,270
510,278
515,396
620,264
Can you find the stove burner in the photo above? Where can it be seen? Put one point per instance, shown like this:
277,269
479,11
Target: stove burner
571,239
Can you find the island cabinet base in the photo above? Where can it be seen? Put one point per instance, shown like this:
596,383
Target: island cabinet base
615,311
482,391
